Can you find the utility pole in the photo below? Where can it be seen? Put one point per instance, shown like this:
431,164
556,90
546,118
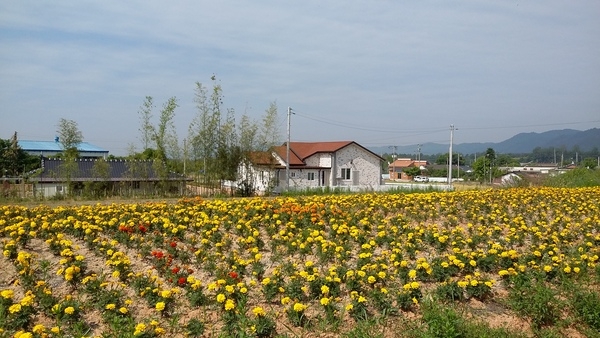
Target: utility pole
393,161
450,155
419,153
287,156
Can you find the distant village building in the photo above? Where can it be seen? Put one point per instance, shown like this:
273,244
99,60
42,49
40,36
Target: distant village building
396,168
119,175
53,148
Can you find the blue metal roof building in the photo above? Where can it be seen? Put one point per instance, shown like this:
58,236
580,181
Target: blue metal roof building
51,148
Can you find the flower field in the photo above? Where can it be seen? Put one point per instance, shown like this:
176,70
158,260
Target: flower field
299,266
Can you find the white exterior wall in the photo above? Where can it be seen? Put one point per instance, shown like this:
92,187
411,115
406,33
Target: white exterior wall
47,190
362,163
326,169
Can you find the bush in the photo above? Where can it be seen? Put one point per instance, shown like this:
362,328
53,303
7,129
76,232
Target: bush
579,177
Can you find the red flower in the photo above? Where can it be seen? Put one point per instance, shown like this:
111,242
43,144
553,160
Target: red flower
173,244
142,229
233,275
175,270
181,281
158,254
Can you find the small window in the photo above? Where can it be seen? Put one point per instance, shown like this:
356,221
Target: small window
311,176
292,174
59,188
345,173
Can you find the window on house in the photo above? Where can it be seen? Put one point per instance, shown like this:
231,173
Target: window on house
59,188
311,176
345,173
292,174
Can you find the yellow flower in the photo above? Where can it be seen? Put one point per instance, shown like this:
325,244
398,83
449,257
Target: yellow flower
220,298
165,293
299,307
14,308
139,329
69,310
325,301
258,311
7,294
39,329
229,305
285,300
55,330
110,306
349,307
371,279
361,299
123,310
412,274
325,289
160,306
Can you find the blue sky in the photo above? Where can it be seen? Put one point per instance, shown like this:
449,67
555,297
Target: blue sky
377,72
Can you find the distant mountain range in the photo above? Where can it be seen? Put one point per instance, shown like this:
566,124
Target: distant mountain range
519,144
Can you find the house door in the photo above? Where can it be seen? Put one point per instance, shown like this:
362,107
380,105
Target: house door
322,178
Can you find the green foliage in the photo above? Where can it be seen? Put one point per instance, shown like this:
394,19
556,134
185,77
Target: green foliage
534,299
445,321
195,328
69,137
578,177
587,305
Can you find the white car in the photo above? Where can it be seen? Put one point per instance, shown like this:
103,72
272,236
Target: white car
421,179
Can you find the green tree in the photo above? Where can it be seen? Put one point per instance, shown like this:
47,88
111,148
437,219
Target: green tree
589,163
412,171
204,132
269,130
456,159
146,128
247,131
69,137
14,161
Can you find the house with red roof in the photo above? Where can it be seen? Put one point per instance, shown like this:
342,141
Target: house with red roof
314,165
396,168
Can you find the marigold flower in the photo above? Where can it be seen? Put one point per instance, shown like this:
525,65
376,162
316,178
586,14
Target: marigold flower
69,310
15,308
258,311
139,329
229,305
325,301
39,329
7,294
110,306
299,307
160,306
221,298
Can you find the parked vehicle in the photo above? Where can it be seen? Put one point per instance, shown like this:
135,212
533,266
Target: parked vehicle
421,179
